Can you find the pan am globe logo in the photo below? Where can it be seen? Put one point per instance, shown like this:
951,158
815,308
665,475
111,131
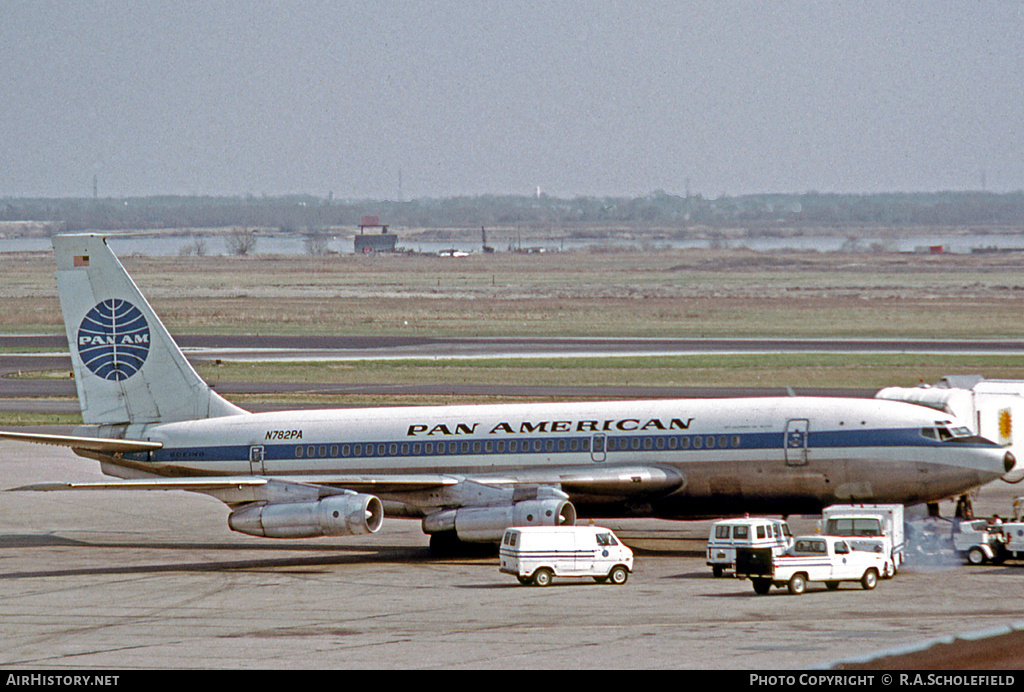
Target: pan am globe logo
113,340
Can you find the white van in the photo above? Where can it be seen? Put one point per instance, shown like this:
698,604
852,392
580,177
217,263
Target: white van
536,554
746,532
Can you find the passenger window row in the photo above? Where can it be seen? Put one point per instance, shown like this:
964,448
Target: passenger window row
539,445
673,442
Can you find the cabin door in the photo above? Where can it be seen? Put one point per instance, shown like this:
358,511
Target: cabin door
256,460
795,442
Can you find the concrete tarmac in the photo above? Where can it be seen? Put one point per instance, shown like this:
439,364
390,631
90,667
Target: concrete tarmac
128,580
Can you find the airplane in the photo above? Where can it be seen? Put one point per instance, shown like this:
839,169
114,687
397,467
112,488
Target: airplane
467,472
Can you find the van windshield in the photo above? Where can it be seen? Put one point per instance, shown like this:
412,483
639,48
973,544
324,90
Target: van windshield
853,527
606,539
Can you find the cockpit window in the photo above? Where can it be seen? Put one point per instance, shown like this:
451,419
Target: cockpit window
945,432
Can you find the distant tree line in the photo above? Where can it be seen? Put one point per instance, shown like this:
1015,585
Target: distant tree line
582,215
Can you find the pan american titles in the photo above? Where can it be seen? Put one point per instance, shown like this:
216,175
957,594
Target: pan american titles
552,426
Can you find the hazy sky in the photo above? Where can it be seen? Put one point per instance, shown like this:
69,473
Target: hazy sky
370,99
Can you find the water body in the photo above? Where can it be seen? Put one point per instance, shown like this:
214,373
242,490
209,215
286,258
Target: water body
274,244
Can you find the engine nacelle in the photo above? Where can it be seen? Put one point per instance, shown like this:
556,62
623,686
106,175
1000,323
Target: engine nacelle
485,524
337,515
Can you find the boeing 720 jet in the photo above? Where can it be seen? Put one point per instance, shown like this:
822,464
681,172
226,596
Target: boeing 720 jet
468,472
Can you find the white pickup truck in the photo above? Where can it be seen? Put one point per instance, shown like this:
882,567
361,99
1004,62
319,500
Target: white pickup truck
828,559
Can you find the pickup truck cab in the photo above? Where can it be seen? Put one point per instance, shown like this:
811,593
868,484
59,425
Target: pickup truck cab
827,559
537,554
745,532
877,528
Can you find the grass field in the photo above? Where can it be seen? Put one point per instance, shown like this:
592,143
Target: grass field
645,294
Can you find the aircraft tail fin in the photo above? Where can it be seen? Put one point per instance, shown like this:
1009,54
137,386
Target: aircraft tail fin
127,367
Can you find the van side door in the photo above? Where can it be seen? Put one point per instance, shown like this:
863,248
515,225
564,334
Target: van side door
586,553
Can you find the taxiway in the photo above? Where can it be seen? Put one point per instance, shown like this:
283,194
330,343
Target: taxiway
121,580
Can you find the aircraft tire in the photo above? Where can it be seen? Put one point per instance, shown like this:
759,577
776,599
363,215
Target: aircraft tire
762,586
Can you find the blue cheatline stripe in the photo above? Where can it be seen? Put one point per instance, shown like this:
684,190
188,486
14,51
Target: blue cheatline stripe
546,554
614,444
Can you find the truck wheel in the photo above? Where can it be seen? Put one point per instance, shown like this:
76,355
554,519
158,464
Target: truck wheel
717,570
975,556
870,579
618,575
762,586
797,584
542,577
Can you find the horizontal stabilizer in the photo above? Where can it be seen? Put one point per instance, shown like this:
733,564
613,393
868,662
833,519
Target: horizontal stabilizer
93,444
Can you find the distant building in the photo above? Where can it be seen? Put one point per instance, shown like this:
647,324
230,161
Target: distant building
374,242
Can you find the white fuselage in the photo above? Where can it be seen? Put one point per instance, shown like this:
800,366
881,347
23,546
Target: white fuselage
786,454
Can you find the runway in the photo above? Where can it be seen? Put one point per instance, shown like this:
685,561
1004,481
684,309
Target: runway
262,347
119,580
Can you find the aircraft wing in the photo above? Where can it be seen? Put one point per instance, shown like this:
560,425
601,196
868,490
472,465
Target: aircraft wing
610,481
621,481
192,484
235,490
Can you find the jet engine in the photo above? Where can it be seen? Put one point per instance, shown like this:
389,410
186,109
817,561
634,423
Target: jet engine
337,515
486,524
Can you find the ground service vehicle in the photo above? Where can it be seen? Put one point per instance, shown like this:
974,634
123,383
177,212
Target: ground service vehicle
537,554
748,532
826,559
869,527
978,541
981,540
